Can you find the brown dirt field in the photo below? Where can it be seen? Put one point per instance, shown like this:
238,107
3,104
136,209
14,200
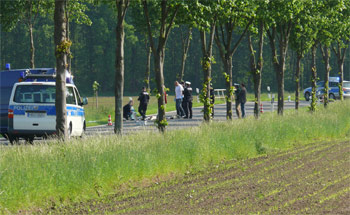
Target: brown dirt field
312,179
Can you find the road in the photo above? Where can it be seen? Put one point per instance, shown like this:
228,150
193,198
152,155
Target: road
197,119
173,123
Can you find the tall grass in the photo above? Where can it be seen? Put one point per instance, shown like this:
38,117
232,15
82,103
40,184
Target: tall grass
54,172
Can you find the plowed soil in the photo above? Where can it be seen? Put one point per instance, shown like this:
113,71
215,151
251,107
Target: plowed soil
312,179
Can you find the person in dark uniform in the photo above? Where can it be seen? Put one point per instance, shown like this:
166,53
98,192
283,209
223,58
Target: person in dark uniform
212,100
237,101
127,110
243,98
188,100
144,99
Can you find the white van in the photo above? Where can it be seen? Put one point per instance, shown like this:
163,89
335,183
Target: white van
32,111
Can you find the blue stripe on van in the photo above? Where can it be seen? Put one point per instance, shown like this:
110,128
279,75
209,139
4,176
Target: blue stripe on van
50,110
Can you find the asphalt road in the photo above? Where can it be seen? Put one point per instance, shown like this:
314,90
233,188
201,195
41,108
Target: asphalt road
174,123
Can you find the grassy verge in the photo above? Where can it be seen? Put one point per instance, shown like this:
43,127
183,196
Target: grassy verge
52,173
99,116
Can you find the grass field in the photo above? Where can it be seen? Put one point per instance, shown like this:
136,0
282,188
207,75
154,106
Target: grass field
99,116
48,174
309,179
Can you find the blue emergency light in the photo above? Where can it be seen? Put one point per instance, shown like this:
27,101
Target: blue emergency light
8,66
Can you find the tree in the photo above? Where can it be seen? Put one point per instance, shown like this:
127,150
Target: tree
122,6
301,41
25,11
185,41
138,21
237,14
330,12
256,65
168,10
62,47
342,37
75,10
95,88
281,13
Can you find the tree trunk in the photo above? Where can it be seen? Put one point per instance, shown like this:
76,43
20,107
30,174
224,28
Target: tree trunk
326,55
340,53
313,79
158,68
297,81
32,49
341,78
226,54
279,65
148,67
69,59
185,46
228,84
122,6
159,54
206,64
61,61
256,68
280,85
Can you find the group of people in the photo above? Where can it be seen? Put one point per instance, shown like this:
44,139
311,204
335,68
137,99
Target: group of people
129,111
183,99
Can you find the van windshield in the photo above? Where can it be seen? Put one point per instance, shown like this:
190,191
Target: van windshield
41,94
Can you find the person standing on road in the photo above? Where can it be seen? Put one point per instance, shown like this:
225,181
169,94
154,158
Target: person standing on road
243,98
188,99
237,101
144,99
178,98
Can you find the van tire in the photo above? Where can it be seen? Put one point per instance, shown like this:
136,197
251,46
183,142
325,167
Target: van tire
307,96
29,140
70,129
332,96
83,132
13,140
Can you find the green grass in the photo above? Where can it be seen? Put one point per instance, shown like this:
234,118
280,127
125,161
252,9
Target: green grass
52,173
99,116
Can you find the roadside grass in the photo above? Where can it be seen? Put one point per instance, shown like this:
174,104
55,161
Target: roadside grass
54,173
99,116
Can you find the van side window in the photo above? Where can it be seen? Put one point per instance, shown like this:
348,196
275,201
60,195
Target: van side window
78,96
70,97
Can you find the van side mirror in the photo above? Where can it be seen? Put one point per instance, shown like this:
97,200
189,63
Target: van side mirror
85,101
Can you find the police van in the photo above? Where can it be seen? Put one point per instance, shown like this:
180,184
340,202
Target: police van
31,107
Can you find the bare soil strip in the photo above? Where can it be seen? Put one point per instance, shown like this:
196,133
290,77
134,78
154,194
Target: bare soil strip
311,179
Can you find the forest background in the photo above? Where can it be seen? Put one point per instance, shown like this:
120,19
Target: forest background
93,49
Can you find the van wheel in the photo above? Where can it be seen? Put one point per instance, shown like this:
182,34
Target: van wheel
83,132
13,140
332,96
30,140
307,96
70,129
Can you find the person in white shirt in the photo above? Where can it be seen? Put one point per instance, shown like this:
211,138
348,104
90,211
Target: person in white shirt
178,98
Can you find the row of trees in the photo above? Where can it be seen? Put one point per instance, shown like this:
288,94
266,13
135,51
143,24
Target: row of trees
288,27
